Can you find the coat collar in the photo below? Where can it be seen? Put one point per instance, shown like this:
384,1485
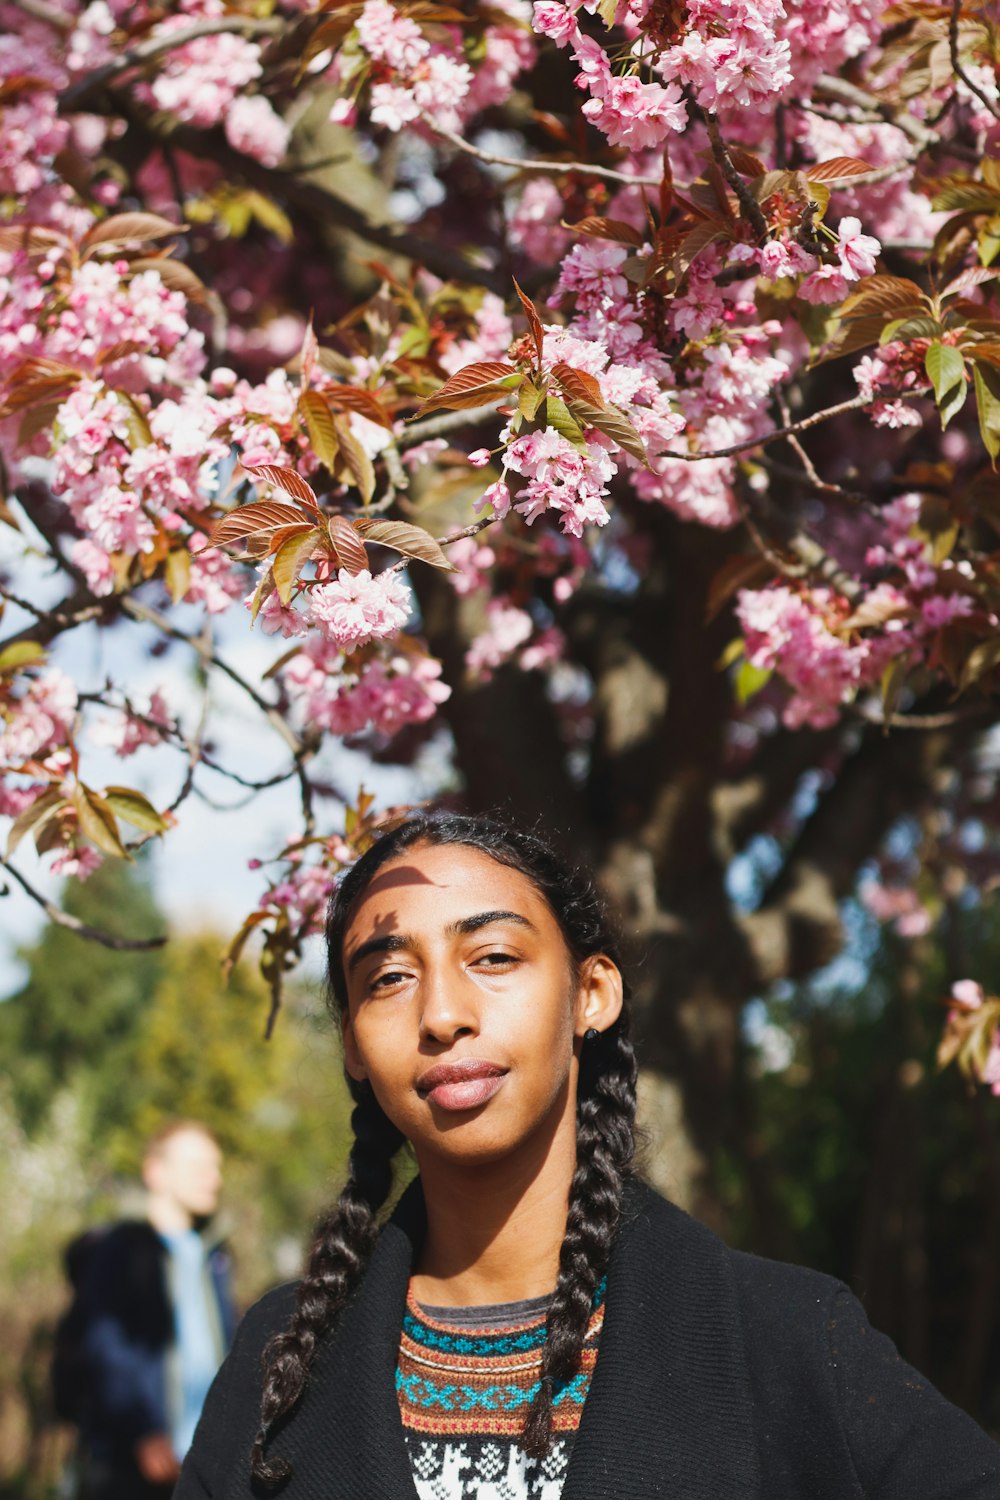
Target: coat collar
669,1409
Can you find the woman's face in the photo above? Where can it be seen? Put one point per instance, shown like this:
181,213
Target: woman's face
463,1006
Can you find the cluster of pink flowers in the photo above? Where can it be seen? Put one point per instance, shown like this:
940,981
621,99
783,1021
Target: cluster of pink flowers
203,82
37,719
560,477
135,726
898,904
384,694
355,608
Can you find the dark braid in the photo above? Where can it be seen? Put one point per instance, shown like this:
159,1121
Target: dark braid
605,1140
342,1244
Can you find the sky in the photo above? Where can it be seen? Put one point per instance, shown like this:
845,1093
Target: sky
200,867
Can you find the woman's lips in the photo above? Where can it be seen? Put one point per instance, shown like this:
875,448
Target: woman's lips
458,1086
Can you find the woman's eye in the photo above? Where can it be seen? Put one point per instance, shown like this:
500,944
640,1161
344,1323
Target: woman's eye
386,980
497,960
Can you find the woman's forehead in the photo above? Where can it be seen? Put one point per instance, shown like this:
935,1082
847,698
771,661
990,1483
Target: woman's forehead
430,882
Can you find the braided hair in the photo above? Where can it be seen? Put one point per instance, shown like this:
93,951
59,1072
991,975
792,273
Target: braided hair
346,1235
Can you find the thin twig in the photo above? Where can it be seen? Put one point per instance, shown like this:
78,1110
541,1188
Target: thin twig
439,426
752,210
848,93
81,93
956,62
540,165
856,403
301,749
73,924
947,719
39,11
453,536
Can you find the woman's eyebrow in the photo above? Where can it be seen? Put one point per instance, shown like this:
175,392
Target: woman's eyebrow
484,919
391,942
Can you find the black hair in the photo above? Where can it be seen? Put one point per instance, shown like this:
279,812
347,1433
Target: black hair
605,1137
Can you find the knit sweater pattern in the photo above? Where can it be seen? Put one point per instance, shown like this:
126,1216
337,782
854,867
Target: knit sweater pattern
465,1384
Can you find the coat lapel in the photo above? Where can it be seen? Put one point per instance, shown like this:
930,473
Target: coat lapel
346,1440
668,1413
669,1410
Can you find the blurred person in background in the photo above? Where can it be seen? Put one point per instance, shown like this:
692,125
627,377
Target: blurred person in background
155,1317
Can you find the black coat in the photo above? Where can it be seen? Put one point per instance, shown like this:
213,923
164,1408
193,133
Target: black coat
719,1375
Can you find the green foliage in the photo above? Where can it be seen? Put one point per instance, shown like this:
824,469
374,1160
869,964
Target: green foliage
75,1021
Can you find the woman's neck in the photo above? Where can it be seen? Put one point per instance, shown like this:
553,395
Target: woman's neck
494,1231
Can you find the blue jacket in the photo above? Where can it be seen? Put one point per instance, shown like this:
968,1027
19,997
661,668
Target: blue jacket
129,1335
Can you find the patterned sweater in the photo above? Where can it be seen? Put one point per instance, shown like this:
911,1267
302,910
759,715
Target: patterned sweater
465,1379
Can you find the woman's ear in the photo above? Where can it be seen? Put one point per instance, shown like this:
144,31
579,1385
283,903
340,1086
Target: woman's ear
352,1057
599,994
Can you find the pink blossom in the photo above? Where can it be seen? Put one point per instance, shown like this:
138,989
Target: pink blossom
508,628
828,284
637,115
941,609
968,994
253,128
555,21
857,252
480,457
355,607
391,38
497,496
79,861
40,719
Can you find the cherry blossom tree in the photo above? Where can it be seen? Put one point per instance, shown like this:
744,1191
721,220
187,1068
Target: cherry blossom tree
610,390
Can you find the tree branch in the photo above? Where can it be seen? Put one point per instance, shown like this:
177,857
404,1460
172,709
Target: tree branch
81,94
323,208
956,62
752,210
540,165
856,403
73,924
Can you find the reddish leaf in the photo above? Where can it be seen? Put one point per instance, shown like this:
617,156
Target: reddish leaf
285,479
349,547
365,403
174,274
600,228
122,228
837,168
353,463
251,520
578,384
319,423
412,541
28,238
737,572
474,385
974,276
608,419
893,295
534,321
746,163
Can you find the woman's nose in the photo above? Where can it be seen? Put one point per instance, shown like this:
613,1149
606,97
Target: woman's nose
447,1010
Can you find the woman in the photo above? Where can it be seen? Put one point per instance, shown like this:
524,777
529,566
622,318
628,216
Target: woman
533,1321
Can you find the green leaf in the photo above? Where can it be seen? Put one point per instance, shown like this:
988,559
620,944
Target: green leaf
20,654
288,561
529,399
987,385
989,241
558,415
136,809
97,822
39,812
982,659
945,368
614,423
921,327
750,680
